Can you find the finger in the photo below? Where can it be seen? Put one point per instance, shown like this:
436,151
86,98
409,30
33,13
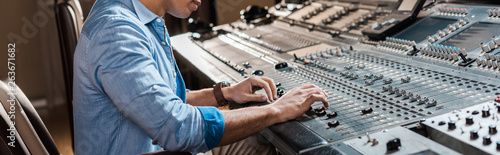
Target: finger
314,90
272,85
263,84
256,98
305,86
318,97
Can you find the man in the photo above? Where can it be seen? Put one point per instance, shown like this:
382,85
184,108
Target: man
130,98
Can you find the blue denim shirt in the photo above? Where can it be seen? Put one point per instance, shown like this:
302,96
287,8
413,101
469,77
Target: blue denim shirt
129,96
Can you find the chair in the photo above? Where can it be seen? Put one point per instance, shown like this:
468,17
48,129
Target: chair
32,135
69,19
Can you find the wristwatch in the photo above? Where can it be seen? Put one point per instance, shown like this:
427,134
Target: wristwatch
219,97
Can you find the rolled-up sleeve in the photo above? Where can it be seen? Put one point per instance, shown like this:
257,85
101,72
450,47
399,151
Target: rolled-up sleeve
214,125
122,66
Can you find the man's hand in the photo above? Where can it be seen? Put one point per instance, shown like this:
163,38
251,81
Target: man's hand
298,100
243,92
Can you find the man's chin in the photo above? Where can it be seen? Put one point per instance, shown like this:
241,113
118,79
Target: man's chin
181,15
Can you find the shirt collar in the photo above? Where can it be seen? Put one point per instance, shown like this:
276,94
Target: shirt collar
143,13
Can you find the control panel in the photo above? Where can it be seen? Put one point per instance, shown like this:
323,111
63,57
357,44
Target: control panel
429,86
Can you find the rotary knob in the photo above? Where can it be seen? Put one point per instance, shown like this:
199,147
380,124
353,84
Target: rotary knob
469,120
492,129
474,134
486,113
451,125
487,140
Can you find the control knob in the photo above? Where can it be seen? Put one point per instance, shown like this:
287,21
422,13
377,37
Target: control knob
451,125
487,140
469,120
486,113
333,124
258,72
367,110
492,129
394,144
332,115
473,134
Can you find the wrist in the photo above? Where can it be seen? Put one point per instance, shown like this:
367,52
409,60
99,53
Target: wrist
274,113
226,91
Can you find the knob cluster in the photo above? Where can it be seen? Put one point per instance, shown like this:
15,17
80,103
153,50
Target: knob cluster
443,51
396,44
451,11
493,12
449,29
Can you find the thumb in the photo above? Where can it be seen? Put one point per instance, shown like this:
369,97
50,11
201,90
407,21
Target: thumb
256,97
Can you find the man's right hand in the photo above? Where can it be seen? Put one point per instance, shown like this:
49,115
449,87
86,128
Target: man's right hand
297,101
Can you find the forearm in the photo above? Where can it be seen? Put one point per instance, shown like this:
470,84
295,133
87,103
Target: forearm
245,122
204,97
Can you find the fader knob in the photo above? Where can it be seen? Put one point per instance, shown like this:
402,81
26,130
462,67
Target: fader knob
487,140
451,125
473,134
486,113
333,124
367,110
469,120
492,129
332,115
388,81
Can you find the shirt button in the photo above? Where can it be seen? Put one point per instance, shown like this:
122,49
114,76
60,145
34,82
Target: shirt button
156,87
163,43
158,20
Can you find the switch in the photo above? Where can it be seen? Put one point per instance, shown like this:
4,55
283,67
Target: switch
394,144
474,134
469,120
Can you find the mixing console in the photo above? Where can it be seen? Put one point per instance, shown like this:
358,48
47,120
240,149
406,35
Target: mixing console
439,76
